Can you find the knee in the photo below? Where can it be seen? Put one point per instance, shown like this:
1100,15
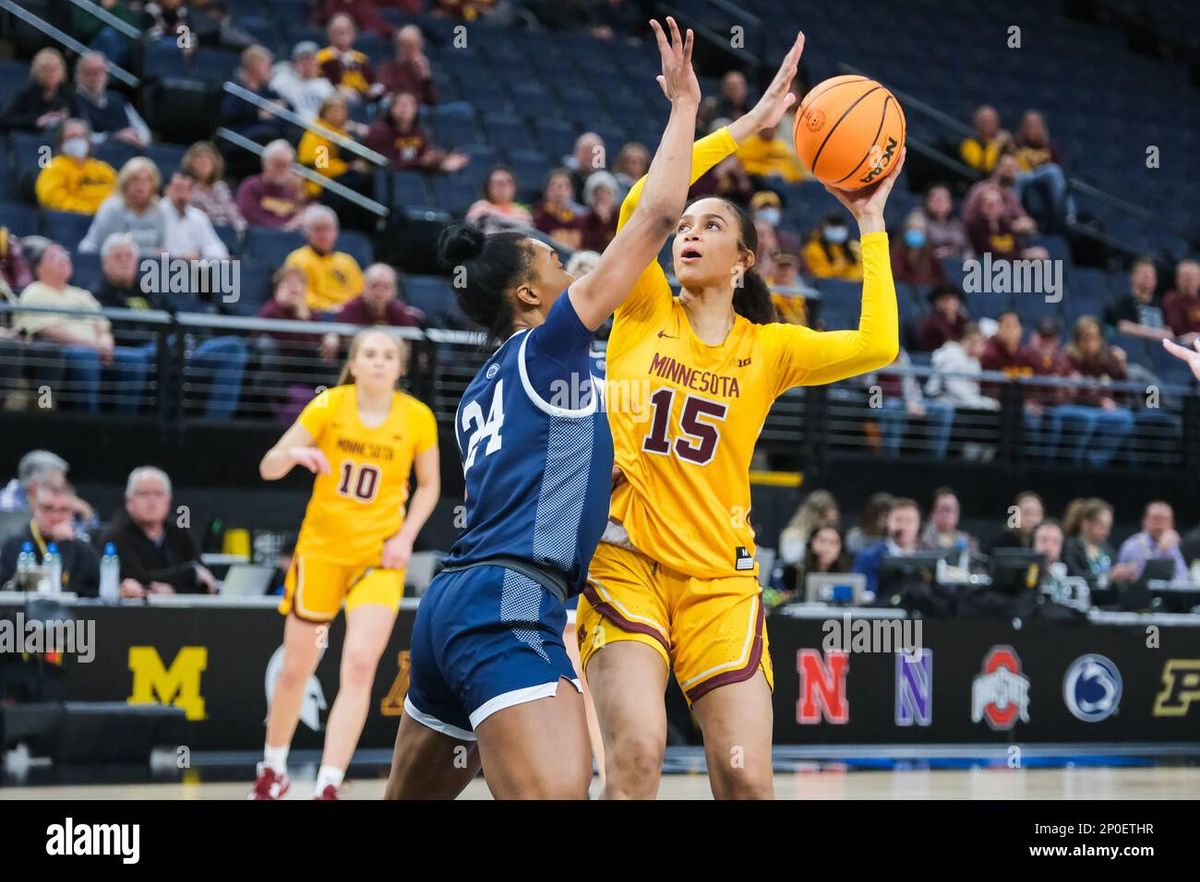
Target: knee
744,784
633,766
358,667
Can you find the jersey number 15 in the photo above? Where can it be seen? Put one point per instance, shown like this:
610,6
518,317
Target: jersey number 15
698,443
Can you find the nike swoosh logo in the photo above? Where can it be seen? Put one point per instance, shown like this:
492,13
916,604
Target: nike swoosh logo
662,334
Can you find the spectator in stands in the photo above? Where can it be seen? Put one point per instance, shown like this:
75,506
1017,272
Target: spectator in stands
1093,416
398,135
409,71
587,157
766,157
824,552
956,363
95,33
348,69
913,259
157,556
1025,514
300,82
788,292
210,193
289,302
380,302
615,19
903,399
363,13
946,322
87,342
276,198
334,277
982,149
1139,314
900,540
946,232
1049,541
120,288
293,359
322,154
188,232
732,101
45,100
766,205
831,253
603,207
74,180
109,114
498,209
1004,353
132,209
53,522
1157,540
726,179
991,231
190,25
1181,305
466,10
1042,167
557,214
14,268
872,523
819,507
35,467
1004,178
249,120
1088,554
632,164
942,532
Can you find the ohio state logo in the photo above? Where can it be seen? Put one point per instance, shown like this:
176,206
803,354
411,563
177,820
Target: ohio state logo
1000,692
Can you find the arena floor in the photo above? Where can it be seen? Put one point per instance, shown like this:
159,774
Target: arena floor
947,776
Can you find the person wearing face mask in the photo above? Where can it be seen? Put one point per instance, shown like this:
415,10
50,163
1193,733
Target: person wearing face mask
830,252
74,180
913,261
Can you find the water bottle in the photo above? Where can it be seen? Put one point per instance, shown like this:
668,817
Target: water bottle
110,573
26,565
964,554
52,563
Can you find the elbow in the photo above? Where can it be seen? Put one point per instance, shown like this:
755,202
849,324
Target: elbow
882,351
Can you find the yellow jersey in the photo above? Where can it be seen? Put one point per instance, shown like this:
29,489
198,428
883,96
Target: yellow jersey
686,415
333,278
67,185
360,504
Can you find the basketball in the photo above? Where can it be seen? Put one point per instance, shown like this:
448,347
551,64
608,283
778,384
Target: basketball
849,131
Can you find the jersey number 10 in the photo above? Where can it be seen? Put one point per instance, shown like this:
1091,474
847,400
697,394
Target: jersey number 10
698,443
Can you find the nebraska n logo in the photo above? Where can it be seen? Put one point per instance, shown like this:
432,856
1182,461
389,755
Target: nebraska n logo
822,687
178,685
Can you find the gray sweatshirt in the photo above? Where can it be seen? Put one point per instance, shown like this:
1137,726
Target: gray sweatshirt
147,229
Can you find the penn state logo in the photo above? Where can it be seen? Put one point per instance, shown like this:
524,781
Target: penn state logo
1092,688
492,371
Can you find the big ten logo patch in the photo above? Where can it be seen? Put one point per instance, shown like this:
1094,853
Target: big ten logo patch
177,685
393,703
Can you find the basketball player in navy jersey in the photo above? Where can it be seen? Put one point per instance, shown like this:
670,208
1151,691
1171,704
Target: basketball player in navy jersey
488,662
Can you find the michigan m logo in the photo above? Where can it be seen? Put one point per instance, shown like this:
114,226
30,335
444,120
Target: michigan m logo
178,685
1181,686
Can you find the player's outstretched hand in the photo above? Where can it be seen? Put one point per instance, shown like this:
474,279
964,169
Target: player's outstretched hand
396,552
678,79
778,96
870,200
1191,356
312,459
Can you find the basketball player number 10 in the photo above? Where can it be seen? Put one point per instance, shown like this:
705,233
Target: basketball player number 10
698,443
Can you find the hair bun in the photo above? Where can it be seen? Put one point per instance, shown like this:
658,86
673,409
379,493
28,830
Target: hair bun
459,243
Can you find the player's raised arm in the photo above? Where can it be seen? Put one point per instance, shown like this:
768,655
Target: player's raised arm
663,195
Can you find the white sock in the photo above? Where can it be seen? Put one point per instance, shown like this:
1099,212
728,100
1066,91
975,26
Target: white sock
275,758
327,775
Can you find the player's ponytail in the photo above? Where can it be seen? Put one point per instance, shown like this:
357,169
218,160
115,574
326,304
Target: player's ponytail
751,296
484,268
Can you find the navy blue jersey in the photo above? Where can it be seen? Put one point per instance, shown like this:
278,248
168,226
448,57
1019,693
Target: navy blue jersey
536,451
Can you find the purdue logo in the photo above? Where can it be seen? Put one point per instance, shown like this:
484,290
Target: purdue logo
1181,686
178,685
888,153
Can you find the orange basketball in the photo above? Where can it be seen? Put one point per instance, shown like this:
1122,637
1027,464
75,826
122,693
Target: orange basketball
849,131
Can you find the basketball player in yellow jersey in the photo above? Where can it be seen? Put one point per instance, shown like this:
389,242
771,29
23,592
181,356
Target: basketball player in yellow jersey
362,439
673,585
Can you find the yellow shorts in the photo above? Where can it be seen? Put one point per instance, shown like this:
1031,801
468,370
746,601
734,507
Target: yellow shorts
710,632
315,589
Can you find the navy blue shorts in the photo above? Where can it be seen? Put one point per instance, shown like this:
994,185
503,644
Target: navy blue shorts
484,639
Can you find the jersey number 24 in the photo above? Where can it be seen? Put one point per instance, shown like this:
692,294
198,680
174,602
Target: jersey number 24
479,428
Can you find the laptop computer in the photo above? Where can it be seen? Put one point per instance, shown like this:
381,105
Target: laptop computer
246,580
844,589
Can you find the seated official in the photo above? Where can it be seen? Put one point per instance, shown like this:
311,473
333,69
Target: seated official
53,523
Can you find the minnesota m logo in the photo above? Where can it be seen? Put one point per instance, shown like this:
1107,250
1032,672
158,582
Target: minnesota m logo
178,685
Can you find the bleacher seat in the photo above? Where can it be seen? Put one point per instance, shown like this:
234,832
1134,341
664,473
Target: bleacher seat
65,227
454,193
21,220
229,235
270,246
116,152
434,296
254,289
357,246
86,272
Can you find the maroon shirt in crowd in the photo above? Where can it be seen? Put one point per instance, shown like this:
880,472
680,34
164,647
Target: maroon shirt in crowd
405,150
1110,369
273,309
916,268
404,76
264,204
551,220
997,357
1181,313
598,233
399,315
934,330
